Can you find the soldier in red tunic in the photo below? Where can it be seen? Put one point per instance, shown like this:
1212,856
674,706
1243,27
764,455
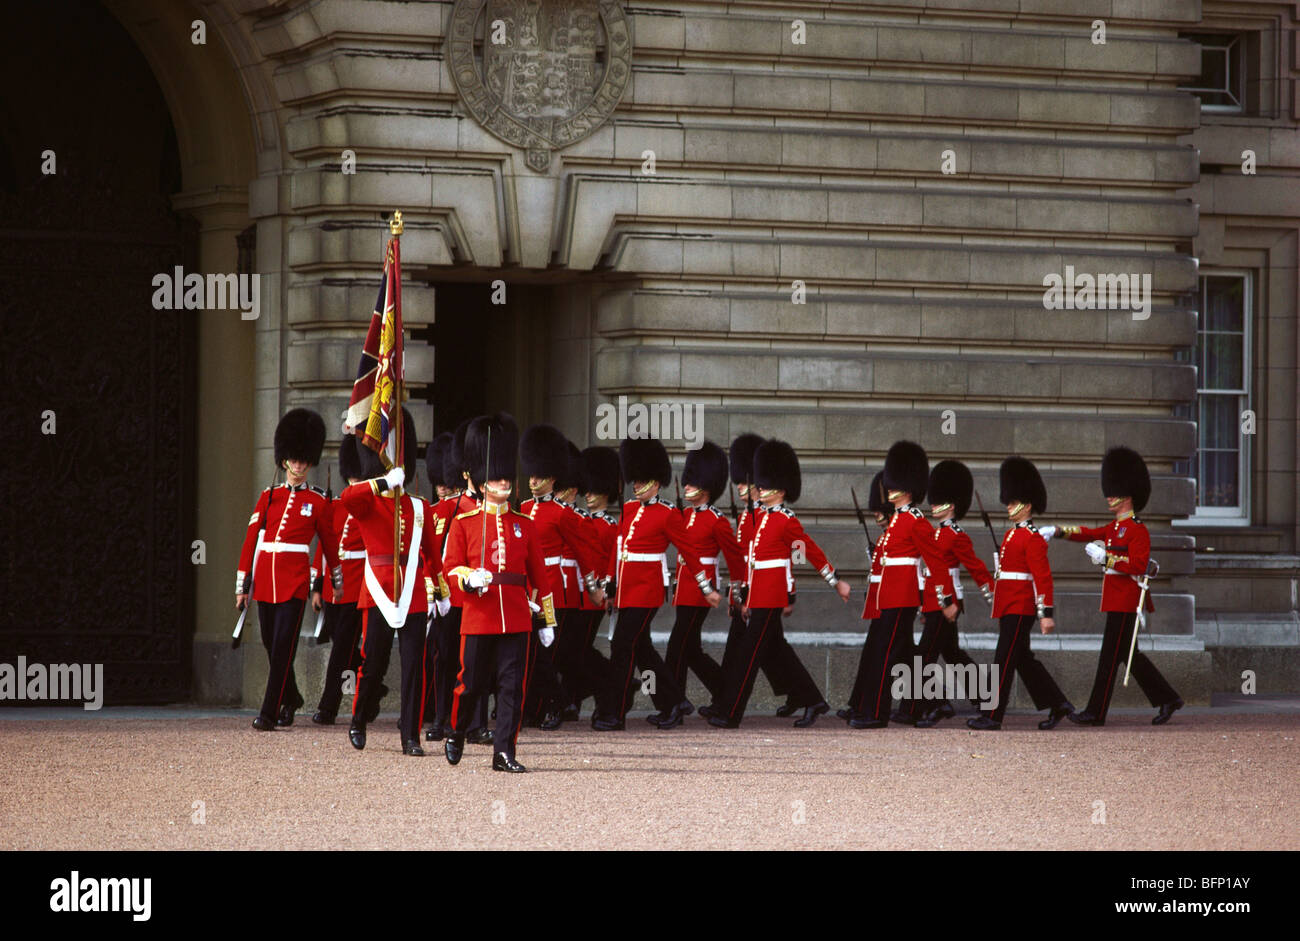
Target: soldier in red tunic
777,536
951,488
1125,550
906,549
603,488
637,573
373,503
442,646
568,546
882,510
342,618
494,556
704,479
1022,590
277,555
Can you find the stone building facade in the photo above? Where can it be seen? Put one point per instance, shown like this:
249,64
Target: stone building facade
828,222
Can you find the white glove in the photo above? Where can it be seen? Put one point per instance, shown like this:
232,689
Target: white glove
547,636
534,607
1096,552
395,477
477,579
1047,532
442,606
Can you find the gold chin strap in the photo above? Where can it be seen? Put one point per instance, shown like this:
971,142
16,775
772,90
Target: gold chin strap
894,495
495,492
691,492
940,509
644,488
1015,508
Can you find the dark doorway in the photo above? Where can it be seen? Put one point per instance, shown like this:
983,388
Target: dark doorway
95,563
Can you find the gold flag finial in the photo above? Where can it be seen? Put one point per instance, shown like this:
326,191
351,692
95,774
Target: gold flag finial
395,224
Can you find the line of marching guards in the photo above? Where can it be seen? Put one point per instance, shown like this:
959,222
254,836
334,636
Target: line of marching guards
487,599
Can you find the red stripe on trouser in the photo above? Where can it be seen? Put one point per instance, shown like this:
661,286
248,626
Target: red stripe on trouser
749,670
361,667
1114,664
889,651
460,685
631,663
424,661
1011,653
288,666
523,685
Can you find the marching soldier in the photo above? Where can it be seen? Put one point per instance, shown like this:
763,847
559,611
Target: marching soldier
882,510
567,546
638,574
951,488
704,478
770,583
906,549
1125,552
604,489
493,555
1022,590
374,502
342,619
442,647
277,554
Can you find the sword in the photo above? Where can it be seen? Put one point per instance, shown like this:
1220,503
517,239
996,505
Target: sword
1153,567
248,580
871,546
678,490
320,615
487,469
984,514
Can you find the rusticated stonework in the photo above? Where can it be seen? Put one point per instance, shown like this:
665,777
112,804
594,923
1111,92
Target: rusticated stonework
540,76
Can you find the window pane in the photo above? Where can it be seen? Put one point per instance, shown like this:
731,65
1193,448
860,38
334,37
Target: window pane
1224,304
1218,480
1223,352
1220,422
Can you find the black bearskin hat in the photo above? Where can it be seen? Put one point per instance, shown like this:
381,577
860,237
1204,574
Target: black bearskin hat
453,459
500,461
600,473
644,459
544,452
951,482
776,467
907,469
742,457
349,460
876,501
1020,482
571,476
1124,474
300,436
435,460
370,464
706,468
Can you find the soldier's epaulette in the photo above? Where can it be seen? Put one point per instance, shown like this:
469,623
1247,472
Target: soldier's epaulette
916,511
783,509
1030,526
955,527
716,512
581,512
469,513
318,490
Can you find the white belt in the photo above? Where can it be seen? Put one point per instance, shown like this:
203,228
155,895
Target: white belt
285,547
554,560
1123,575
777,564
1015,576
875,579
908,560
352,554
956,582
708,560
660,557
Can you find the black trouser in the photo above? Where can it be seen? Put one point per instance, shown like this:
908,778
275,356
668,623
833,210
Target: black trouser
1014,656
441,666
582,668
938,639
631,650
686,651
779,662
1114,648
343,628
377,648
889,641
544,693
280,623
762,641
492,663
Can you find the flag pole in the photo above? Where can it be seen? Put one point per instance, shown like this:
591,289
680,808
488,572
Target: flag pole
395,229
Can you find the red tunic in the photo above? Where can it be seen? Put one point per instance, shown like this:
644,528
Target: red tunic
372,513
709,533
512,548
603,528
351,554
293,516
567,547
776,538
1128,550
908,543
639,560
957,550
1024,577
448,509
871,609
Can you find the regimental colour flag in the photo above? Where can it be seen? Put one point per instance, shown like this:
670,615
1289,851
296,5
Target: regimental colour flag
373,407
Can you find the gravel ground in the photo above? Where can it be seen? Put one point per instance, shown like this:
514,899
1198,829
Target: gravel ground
1205,781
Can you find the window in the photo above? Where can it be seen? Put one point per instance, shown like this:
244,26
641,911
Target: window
1221,84
1222,357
